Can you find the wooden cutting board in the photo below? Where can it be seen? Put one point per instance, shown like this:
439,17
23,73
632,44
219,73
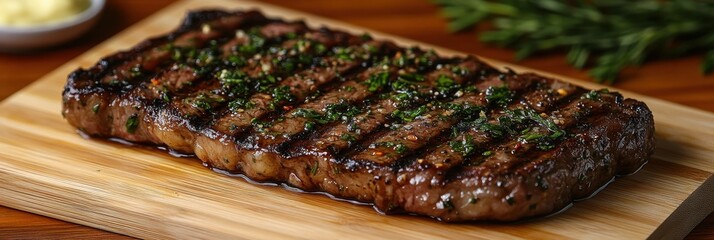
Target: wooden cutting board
48,169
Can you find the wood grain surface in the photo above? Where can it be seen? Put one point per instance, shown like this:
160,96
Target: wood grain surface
674,80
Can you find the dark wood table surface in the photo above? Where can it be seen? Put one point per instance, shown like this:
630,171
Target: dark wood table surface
677,80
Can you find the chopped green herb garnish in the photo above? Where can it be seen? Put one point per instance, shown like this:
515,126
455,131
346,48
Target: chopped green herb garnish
377,81
348,137
544,121
165,95
287,65
308,113
236,81
501,96
135,71
385,144
467,111
281,95
532,136
425,60
409,115
332,112
235,61
340,111
401,148
459,70
182,53
255,42
370,48
594,94
259,124
496,131
401,61
408,81
206,56
309,126
407,97
265,81
465,146
320,48
445,84
543,140
241,103
95,108
348,88
470,89
313,168
204,101
132,123
343,53
231,76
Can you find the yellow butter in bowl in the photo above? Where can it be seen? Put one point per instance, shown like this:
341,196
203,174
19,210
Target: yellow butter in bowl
27,25
19,13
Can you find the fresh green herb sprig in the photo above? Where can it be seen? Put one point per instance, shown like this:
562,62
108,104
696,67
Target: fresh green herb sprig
608,35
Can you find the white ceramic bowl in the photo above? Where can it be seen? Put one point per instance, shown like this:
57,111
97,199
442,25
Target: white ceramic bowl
19,39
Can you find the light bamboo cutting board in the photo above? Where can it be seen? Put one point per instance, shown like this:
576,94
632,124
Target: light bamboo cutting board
46,168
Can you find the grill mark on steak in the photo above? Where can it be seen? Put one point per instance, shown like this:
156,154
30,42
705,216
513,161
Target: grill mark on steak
541,184
246,79
304,117
113,101
126,72
223,153
224,124
363,125
294,89
86,80
432,135
330,39
575,122
413,139
348,94
471,137
392,146
516,147
188,105
555,102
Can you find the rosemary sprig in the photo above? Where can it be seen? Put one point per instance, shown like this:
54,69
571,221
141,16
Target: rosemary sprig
608,35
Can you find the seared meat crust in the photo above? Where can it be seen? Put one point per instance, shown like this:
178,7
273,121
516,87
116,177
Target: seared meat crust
362,119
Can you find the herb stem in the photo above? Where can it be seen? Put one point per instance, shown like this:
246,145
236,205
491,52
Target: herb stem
607,36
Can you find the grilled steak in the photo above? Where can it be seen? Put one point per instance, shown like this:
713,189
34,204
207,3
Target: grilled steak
362,119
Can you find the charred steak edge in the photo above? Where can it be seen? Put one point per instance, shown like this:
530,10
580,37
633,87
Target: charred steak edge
362,119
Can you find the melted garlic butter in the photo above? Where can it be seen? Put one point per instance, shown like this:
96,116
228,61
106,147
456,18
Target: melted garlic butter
19,13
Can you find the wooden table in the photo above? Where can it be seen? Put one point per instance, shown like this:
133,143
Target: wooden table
676,80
